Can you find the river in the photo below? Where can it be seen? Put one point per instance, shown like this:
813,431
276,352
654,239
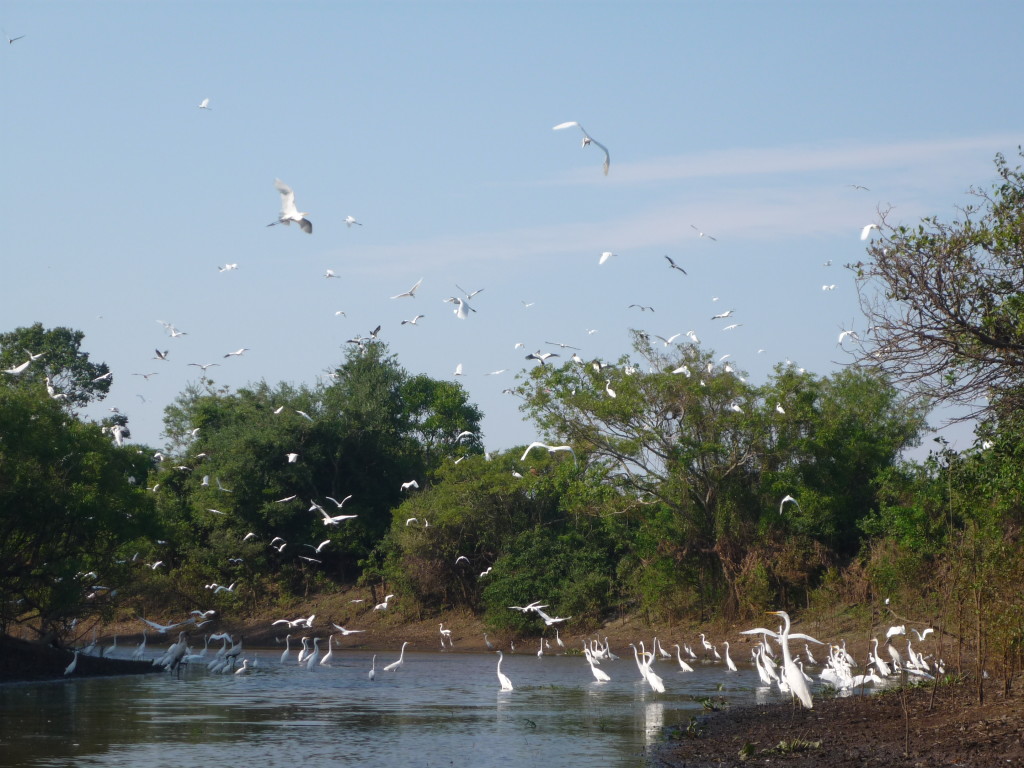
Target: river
438,710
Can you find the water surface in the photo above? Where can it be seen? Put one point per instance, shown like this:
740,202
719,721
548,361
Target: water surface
437,710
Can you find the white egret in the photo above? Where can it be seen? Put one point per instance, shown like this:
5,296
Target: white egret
587,140
679,657
314,657
599,674
506,684
411,293
287,648
729,663
401,660
71,667
347,632
865,233
373,668
922,635
326,660
350,220
791,674
605,256
244,669
204,104
289,212
608,388
788,498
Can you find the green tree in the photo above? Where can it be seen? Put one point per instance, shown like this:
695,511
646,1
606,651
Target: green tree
71,501
55,354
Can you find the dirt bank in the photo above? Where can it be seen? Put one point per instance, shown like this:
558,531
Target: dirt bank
889,729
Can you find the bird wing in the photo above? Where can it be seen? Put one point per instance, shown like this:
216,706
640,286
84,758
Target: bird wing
287,199
530,447
305,225
570,124
607,156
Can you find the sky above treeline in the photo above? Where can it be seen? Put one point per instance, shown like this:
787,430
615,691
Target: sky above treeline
749,142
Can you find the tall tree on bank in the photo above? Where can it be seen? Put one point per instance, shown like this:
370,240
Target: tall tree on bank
944,301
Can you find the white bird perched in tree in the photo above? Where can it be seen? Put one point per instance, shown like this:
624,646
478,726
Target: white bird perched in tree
204,104
411,293
608,388
587,140
865,233
779,409
788,498
289,212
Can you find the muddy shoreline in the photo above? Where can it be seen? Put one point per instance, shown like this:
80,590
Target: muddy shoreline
909,727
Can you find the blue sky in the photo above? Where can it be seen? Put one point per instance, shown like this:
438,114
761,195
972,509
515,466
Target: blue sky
431,123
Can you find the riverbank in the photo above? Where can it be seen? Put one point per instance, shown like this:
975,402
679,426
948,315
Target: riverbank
892,729
23,661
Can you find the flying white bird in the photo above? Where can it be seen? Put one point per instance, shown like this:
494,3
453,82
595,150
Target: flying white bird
549,448
851,334
587,140
462,308
227,268
349,221
411,293
542,356
289,212
413,321
238,352
410,485
204,104
786,498
865,233
18,368
703,234
723,315
605,256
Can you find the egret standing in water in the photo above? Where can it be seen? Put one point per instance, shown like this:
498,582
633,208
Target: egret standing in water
791,674
506,684
401,660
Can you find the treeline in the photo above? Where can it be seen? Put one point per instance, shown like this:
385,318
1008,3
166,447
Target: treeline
665,483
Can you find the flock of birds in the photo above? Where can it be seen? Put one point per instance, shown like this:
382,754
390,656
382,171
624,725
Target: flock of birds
790,673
